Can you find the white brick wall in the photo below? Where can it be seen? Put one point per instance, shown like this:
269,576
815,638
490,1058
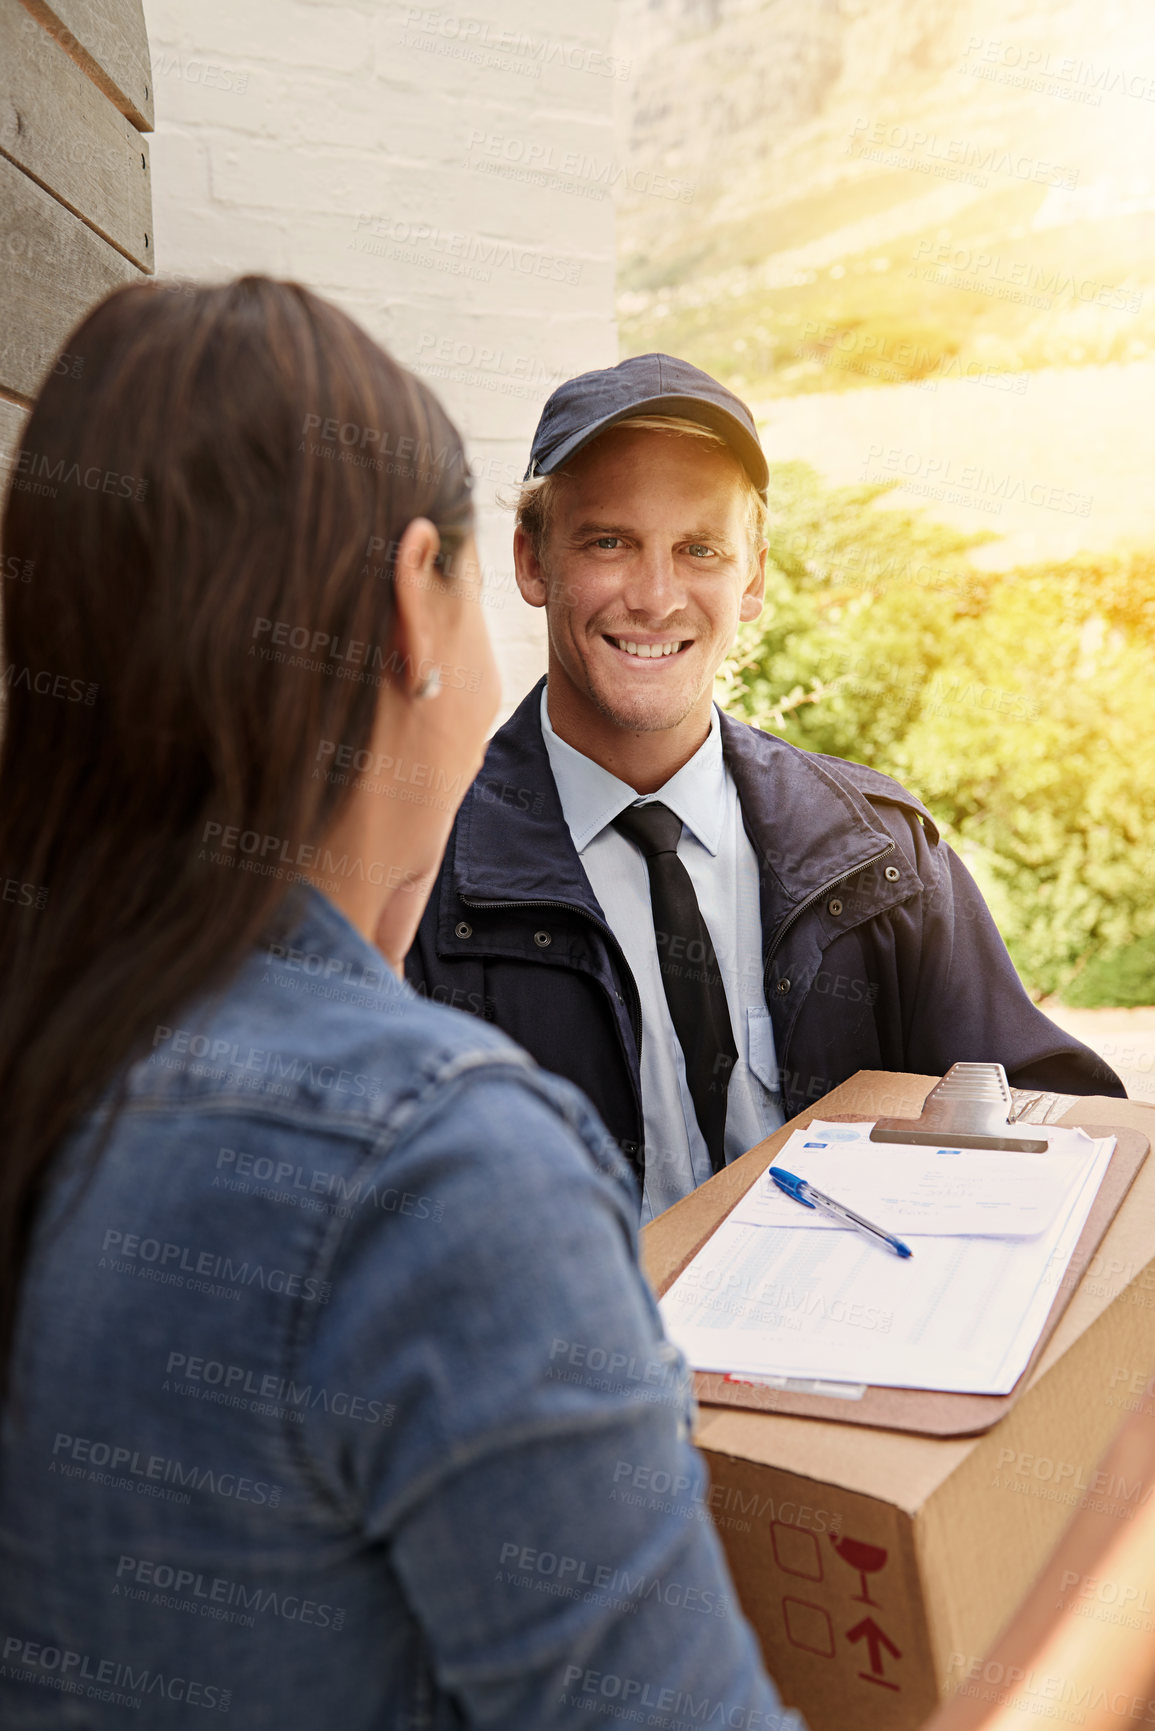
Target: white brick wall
444,175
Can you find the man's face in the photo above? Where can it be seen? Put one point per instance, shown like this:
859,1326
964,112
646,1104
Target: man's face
646,574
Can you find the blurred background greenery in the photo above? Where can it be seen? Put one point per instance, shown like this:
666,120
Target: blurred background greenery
918,236
882,641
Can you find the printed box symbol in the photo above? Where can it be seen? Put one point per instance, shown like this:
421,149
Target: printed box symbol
808,1627
867,1559
876,1639
796,1551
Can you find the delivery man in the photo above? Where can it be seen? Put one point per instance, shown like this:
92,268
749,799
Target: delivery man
703,927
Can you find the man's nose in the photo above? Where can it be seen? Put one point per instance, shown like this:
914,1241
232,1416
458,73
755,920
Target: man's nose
654,585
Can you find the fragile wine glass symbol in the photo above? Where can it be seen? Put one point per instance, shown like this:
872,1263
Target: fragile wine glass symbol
867,1559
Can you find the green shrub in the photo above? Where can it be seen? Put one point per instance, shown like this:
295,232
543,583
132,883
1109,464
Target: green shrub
1016,704
1124,976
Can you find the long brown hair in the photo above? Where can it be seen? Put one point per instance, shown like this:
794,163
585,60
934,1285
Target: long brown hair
215,469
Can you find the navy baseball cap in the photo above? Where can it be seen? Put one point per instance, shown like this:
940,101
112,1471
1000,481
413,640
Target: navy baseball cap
644,385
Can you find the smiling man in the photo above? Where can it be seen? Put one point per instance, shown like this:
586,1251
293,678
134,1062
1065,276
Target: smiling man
703,927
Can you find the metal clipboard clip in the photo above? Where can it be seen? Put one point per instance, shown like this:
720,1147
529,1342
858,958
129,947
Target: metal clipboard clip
969,1108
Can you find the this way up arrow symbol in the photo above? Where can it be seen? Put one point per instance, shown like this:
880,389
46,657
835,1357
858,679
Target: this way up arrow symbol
869,1631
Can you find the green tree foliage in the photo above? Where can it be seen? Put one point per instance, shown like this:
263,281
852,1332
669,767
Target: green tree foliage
1016,704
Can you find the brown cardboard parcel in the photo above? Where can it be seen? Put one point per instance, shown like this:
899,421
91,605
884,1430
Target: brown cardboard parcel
877,1567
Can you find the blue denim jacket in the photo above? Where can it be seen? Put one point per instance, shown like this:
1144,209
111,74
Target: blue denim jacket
339,1400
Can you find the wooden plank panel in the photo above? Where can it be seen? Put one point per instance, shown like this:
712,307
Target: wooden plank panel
52,269
108,41
63,131
12,419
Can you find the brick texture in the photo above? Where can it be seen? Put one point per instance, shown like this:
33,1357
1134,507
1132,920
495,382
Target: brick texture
445,176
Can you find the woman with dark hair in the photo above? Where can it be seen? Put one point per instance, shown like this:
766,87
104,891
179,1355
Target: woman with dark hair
333,1395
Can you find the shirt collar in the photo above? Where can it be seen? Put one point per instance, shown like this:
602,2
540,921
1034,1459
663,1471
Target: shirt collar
591,797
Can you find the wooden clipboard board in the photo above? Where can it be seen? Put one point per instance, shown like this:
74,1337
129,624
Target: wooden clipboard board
927,1411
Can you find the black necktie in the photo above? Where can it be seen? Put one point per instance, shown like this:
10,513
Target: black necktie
689,968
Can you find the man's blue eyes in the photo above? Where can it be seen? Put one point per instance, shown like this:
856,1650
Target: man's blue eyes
610,543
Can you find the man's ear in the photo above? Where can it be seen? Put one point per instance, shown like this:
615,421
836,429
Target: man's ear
754,593
527,565
417,586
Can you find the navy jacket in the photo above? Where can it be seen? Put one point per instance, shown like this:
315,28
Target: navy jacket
879,952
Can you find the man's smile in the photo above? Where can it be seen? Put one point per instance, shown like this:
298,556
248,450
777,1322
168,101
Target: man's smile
653,649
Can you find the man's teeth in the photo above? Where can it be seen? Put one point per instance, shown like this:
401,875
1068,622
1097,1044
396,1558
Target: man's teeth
648,651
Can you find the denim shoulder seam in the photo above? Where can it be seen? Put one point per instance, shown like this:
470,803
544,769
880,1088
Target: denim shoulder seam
305,1114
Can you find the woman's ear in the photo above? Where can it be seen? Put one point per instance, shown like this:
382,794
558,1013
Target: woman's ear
417,587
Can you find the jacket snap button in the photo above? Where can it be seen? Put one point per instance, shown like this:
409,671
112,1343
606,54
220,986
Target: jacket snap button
834,906
463,929
783,986
891,874
541,939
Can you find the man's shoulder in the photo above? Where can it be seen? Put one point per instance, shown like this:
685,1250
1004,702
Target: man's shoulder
872,784
880,789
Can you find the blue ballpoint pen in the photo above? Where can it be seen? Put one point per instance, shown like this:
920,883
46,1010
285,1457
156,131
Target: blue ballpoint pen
811,1198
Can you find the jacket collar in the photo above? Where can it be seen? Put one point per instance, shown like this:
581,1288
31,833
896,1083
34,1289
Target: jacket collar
809,823
511,840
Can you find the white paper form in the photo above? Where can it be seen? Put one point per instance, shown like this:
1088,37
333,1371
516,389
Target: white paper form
961,1315
904,1189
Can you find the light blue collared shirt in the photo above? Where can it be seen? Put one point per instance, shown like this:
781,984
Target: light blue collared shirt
719,857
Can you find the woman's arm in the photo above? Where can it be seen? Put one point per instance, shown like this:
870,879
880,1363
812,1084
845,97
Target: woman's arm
506,1321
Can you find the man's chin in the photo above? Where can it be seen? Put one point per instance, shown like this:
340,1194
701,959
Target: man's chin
644,711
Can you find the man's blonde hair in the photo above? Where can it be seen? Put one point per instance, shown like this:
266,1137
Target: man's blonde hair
537,497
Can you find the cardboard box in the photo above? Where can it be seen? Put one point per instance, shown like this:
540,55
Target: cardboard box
878,1567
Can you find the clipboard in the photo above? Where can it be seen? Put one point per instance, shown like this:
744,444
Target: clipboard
931,1412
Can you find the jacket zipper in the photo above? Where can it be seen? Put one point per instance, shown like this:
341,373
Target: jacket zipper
633,1003
817,897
